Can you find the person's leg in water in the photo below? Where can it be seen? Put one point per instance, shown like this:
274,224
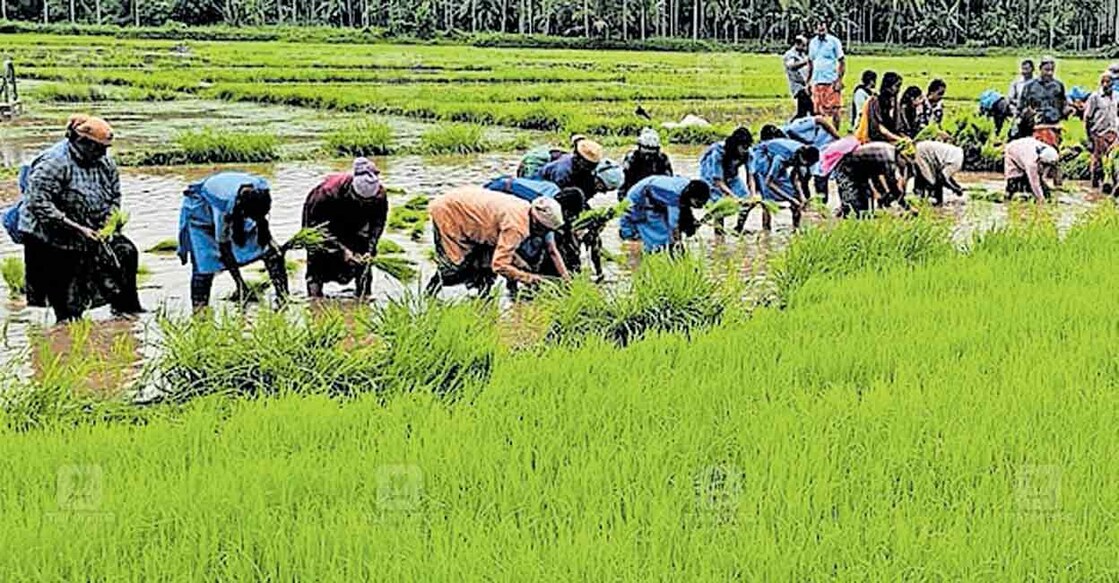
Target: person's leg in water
200,286
127,299
277,273
767,220
821,186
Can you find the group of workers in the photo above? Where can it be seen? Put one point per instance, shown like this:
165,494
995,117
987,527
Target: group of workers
523,226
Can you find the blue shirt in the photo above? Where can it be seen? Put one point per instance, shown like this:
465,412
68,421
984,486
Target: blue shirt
807,130
712,168
773,160
525,189
825,55
204,222
654,211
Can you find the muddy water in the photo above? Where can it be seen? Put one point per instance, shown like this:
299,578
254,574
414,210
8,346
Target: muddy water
152,197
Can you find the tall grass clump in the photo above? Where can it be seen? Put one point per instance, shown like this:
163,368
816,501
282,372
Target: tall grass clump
453,139
209,145
70,93
845,247
362,138
271,353
15,276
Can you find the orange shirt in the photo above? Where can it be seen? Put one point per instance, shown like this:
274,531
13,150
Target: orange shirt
471,215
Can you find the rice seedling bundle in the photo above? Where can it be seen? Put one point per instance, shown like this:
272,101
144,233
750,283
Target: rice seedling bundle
597,218
721,209
309,239
164,247
114,225
15,276
387,246
399,268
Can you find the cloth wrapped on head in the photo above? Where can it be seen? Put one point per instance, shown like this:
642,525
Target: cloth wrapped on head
610,174
367,181
91,128
547,212
649,139
591,151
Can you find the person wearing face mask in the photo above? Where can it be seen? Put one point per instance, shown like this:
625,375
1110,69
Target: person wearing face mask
223,225
351,208
72,190
644,161
1101,123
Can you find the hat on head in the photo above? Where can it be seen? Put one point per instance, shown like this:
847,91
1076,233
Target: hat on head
610,174
589,150
367,183
547,212
1048,155
649,138
91,128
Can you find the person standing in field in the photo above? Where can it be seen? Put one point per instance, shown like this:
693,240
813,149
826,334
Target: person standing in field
909,112
1025,161
829,65
863,92
644,161
881,122
937,164
797,67
477,233
661,210
1101,121
223,225
1044,100
932,106
72,190
721,166
351,209
1014,94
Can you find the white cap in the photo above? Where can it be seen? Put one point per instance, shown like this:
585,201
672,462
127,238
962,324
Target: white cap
547,212
1048,155
649,138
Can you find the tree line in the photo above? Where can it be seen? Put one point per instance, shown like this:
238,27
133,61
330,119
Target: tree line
1062,24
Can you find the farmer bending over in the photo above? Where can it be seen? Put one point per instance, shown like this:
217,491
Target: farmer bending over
644,161
350,208
816,131
223,225
477,233
720,168
776,166
1025,160
873,171
660,210
72,190
937,164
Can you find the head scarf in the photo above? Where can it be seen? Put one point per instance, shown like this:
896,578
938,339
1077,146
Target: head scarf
589,150
649,138
1048,155
610,174
547,212
91,128
835,152
367,182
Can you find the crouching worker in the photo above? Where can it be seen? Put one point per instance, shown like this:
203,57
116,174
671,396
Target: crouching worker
1025,160
477,233
223,225
660,210
777,167
720,167
351,208
874,171
557,253
937,164
72,190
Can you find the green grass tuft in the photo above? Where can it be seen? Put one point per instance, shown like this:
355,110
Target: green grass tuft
362,138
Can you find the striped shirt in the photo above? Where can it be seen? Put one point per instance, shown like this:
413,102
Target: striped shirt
60,187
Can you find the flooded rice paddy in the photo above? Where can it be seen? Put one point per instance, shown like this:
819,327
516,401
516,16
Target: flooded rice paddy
152,196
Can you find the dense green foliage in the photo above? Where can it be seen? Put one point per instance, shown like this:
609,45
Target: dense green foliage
941,416
362,138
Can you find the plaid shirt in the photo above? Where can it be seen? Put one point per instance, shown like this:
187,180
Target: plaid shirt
874,159
59,187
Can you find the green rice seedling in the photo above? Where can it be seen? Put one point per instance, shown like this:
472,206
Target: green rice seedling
70,93
395,191
417,203
694,135
362,138
399,268
15,276
596,219
114,225
436,346
453,139
143,273
209,145
254,291
164,247
274,352
388,247
721,209
307,238
403,218
1076,164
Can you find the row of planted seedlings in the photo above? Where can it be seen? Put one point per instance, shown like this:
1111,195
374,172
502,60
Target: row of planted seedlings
419,343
